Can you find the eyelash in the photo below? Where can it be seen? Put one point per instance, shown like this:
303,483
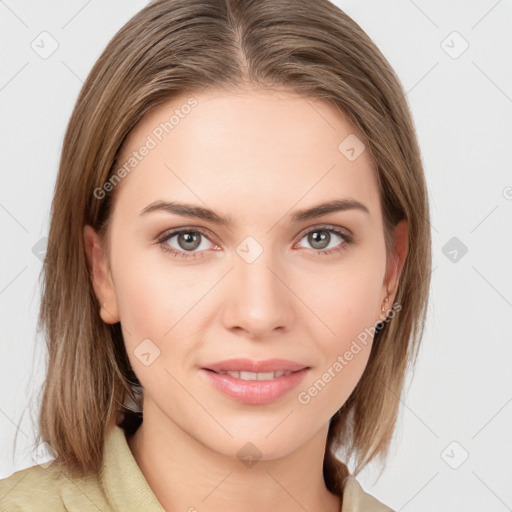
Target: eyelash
162,239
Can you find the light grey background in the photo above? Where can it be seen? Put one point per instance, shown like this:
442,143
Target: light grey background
459,402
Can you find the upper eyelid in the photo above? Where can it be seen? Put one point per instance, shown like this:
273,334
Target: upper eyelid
176,231
343,230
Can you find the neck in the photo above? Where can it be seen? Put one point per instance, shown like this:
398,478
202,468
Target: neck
184,474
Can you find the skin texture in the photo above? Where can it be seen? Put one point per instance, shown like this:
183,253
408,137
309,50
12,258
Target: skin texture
255,156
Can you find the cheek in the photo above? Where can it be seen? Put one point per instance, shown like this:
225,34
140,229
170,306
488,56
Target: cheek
353,309
330,387
150,293
344,349
348,306
143,293
156,305
346,299
147,316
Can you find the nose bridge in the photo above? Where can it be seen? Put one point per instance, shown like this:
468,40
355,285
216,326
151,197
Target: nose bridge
261,300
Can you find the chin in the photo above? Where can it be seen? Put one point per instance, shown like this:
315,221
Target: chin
266,440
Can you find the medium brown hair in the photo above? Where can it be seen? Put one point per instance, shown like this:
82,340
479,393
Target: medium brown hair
171,47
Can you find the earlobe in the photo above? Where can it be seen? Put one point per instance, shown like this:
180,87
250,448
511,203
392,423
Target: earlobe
100,276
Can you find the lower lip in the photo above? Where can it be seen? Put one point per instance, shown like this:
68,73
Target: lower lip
255,392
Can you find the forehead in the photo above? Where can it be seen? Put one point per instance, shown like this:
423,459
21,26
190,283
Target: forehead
251,149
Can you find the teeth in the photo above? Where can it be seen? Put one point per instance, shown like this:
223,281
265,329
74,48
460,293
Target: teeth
256,376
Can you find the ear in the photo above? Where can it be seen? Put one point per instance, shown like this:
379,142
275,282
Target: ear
101,278
395,263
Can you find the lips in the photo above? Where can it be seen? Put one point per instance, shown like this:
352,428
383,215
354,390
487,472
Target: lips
255,382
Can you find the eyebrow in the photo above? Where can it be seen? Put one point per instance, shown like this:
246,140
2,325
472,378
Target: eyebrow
199,212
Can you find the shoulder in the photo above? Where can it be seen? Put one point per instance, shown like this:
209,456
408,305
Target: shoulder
30,488
357,500
49,489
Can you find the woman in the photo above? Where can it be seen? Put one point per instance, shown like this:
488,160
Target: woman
238,266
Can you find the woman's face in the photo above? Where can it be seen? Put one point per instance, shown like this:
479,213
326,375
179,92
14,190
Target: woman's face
270,284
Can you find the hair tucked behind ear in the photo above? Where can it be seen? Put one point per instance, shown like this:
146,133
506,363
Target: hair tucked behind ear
175,47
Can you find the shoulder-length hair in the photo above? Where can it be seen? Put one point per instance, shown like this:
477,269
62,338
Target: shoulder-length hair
170,47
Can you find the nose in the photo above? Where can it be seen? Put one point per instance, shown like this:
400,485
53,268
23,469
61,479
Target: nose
259,301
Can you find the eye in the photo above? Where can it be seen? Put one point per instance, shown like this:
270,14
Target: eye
186,243
323,238
190,243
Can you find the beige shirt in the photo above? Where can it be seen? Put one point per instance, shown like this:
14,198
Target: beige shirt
120,486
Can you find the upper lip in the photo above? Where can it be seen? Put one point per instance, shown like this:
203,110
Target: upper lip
250,365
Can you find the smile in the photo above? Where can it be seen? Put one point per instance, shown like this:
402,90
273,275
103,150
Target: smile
254,382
